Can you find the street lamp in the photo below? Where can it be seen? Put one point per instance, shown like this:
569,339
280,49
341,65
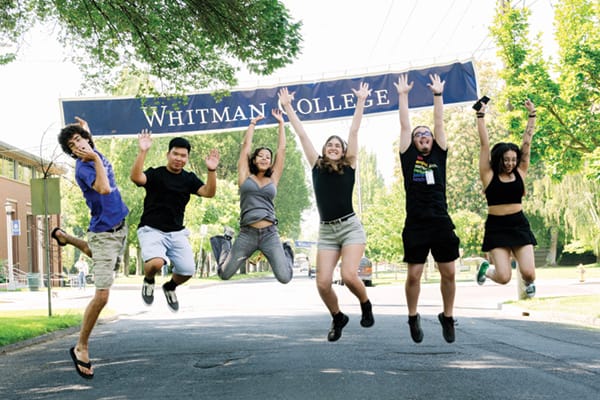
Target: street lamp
11,279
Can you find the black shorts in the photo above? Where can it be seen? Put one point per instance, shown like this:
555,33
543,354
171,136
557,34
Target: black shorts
443,243
507,231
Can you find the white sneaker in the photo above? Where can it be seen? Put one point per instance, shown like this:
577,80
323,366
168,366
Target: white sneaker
530,290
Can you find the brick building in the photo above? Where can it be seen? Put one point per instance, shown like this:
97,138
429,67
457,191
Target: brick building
23,234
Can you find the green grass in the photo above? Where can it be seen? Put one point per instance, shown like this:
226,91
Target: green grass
585,306
16,326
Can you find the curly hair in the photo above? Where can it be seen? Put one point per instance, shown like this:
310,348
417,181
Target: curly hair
497,153
68,132
254,168
334,165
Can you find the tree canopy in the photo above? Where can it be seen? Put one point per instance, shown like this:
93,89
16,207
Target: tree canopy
565,92
185,45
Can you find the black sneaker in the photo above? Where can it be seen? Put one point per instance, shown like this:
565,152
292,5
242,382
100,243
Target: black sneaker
289,252
339,322
171,299
367,319
148,292
416,333
447,327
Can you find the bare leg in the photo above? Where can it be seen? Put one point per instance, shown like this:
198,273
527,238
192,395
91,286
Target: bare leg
326,260
351,256
63,238
90,317
412,287
525,257
447,286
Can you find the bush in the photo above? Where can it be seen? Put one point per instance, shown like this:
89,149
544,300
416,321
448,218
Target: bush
568,258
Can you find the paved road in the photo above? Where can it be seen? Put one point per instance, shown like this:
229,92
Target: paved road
264,340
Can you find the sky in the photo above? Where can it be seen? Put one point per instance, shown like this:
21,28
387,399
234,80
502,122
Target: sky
340,38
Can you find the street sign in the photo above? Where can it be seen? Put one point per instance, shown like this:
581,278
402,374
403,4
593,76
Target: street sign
16,227
305,245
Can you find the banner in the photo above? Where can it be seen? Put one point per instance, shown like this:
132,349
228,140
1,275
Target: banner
328,99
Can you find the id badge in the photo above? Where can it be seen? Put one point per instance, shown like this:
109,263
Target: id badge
429,177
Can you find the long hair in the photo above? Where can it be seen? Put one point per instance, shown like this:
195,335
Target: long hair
254,168
68,132
334,165
496,161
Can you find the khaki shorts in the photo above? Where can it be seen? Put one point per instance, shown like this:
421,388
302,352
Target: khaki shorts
336,235
107,248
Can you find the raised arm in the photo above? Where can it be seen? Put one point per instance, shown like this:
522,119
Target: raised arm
87,154
137,174
403,88
280,153
243,167
485,169
437,88
361,97
210,186
527,137
285,99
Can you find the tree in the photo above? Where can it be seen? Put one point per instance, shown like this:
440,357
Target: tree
186,45
568,106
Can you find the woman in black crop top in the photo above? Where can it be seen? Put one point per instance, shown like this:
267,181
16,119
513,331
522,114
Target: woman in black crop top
341,234
507,232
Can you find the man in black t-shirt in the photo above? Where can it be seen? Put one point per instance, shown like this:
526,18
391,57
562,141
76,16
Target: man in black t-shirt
162,235
428,227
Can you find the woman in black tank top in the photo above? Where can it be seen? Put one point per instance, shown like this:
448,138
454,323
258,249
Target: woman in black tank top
341,233
507,232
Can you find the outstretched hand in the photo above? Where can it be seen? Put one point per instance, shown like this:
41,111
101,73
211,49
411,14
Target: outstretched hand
363,91
212,159
83,124
530,106
403,86
278,115
285,97
145,139
437,84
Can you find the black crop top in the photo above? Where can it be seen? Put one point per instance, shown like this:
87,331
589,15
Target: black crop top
499,192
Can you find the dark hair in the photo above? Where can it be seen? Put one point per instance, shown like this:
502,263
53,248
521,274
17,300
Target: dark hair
180,142
254,168
334,165
68,132
497,153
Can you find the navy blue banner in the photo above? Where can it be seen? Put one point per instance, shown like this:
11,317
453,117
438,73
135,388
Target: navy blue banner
200,113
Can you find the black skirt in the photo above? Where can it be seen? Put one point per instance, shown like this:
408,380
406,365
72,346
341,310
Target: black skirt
507,231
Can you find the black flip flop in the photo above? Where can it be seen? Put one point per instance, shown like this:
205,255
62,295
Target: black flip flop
78,363
53,234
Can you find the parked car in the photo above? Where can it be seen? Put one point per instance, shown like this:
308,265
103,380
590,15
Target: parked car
365,272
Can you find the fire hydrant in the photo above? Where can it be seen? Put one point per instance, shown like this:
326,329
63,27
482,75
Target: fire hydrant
581,270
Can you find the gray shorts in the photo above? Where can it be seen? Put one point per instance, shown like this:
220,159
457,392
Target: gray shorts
107,248
172,247
336,235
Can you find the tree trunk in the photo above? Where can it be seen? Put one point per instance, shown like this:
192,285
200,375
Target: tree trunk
126,262
551,256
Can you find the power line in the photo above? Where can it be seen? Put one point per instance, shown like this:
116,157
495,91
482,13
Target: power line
381,30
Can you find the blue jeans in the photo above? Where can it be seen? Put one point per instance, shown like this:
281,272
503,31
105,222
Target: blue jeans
249,240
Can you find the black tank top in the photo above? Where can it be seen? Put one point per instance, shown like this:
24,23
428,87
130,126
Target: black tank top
499,192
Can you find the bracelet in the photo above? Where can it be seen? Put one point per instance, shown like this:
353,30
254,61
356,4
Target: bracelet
252,123
532,115
480,115
438,94
211,170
